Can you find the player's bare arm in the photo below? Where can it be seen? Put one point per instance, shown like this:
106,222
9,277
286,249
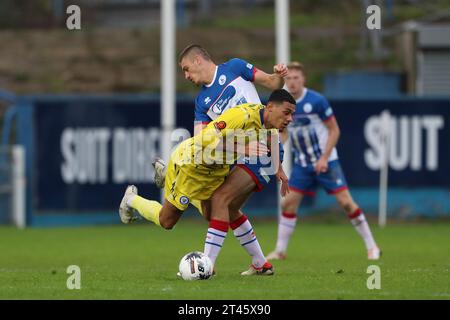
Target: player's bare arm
251,148
333,137
272,81
280,174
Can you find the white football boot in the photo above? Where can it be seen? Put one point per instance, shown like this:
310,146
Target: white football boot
265,270
160,172
125,211
374,253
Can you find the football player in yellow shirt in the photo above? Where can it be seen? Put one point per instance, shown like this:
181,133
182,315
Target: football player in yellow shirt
199,165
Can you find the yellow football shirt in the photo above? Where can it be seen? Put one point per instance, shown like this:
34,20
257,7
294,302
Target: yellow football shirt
199,165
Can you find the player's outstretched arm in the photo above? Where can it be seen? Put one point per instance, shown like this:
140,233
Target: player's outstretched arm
272,81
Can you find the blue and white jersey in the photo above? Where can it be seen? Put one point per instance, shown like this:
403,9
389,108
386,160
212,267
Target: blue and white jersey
232,85
308,132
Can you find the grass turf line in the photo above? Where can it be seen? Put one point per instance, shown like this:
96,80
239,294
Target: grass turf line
140,262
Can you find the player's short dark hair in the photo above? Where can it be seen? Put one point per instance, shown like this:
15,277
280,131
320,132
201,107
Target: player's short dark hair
295,65
280,96
196,49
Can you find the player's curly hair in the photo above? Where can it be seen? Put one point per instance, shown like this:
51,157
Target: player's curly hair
196,49
280,96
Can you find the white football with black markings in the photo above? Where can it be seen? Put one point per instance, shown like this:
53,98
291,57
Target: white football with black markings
195,266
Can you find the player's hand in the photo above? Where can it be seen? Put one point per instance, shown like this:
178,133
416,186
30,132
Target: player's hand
255,149
281,70
321,165
281,176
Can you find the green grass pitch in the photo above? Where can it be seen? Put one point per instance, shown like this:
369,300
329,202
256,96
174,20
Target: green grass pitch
140,262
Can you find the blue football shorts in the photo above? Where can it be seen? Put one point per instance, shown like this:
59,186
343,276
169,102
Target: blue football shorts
305,180
260,168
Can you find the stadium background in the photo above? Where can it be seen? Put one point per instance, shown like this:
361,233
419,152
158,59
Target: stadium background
85,104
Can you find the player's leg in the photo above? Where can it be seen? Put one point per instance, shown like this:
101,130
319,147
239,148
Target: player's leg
240,184
204,207
301,182
243,231
334,182
286,224
359,221
165,216
177,194
237,182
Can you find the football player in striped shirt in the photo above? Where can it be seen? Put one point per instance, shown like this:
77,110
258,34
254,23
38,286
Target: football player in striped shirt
314,134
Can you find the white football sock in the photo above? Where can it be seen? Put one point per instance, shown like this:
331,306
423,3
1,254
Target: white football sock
286,226
359,221
215,237
243,231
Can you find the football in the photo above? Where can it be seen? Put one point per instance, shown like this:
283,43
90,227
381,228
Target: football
195,266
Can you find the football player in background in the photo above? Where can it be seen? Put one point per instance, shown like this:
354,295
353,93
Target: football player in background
314,134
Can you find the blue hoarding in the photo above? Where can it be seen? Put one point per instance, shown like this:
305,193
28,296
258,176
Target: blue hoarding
419,154
87,149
